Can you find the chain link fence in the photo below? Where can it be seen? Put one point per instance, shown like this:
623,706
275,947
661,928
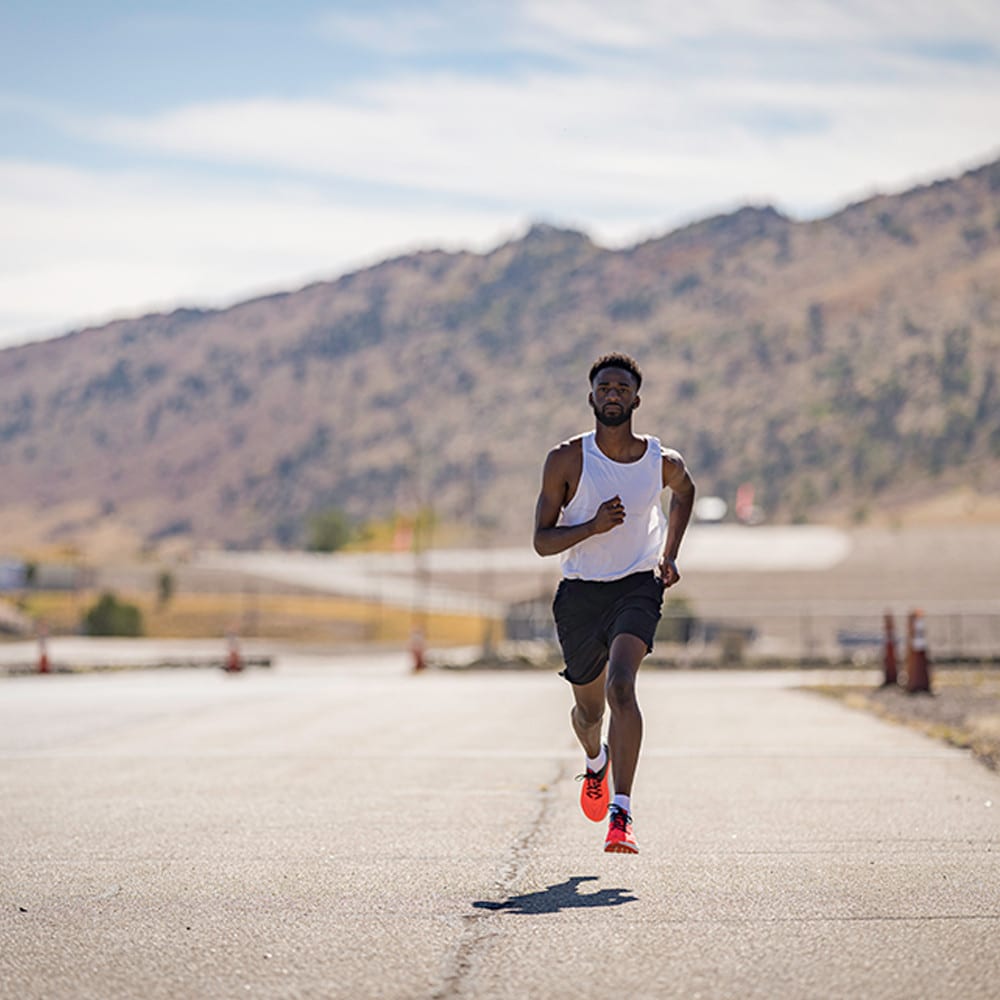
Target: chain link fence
787,633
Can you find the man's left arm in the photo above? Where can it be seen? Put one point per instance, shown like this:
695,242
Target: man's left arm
678,480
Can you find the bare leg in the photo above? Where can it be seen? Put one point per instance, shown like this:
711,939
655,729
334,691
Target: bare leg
625,731
587,714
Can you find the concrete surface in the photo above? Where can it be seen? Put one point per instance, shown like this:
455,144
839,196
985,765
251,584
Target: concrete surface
342,828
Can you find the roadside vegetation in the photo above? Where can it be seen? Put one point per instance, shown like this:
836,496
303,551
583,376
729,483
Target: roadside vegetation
292,617
964,709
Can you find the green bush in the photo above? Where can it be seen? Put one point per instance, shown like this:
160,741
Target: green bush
330,530
109,616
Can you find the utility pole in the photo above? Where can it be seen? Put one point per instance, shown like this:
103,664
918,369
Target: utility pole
421,566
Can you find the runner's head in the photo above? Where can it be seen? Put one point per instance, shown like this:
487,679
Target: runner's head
623,362
614,388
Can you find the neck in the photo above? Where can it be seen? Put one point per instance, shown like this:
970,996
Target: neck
616,442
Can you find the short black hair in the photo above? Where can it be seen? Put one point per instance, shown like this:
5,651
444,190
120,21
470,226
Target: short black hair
616,360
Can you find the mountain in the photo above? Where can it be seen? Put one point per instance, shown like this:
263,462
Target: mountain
842,365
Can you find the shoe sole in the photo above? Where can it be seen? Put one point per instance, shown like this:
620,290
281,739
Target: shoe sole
620,849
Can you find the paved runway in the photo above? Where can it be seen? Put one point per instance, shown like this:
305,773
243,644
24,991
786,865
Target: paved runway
341,828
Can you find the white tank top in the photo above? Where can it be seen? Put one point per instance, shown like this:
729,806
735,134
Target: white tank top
633,546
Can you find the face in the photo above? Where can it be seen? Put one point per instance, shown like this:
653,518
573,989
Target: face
613,396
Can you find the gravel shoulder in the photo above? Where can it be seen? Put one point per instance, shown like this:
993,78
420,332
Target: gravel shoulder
963,710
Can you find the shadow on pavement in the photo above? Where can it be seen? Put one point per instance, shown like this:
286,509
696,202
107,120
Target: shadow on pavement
561,896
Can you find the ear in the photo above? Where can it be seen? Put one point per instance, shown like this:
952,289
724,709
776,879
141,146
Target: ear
590,399
635,404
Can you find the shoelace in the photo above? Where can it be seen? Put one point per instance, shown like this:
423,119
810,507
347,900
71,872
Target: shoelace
591,783
619,820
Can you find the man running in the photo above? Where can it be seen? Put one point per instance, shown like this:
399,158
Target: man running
599,508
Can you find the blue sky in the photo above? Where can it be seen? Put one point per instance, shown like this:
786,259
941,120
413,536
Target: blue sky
163,154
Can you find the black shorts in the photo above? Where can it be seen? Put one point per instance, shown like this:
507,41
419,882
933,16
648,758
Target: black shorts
590,613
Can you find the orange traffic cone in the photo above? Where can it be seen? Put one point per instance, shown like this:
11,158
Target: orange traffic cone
918,672
43,650
234,662
889,657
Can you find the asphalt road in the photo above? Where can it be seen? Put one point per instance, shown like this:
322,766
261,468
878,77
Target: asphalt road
346,829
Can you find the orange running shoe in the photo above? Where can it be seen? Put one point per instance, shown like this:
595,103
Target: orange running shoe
620,839
594,795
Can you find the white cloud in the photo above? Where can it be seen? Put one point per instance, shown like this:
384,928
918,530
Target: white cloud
641,119
646,24
586,29
406,30
596,147
83,246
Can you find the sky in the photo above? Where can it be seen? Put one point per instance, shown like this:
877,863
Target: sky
164,154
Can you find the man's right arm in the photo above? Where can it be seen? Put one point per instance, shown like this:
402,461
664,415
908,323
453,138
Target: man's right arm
551,538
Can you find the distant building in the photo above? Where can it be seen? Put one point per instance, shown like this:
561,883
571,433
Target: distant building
13,575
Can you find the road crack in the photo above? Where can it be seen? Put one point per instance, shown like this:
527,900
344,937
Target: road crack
479,928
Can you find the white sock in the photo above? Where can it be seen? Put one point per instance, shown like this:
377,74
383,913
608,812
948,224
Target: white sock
623,802
596,763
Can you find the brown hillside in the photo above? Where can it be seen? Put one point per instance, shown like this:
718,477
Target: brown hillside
843,365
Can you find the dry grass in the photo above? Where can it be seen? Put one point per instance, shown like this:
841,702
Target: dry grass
308,618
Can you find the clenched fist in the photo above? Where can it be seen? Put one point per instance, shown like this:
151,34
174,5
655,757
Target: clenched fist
610,514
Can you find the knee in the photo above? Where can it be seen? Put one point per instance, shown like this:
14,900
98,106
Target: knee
621,692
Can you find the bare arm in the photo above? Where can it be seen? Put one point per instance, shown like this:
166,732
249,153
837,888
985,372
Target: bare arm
559,477
677,479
